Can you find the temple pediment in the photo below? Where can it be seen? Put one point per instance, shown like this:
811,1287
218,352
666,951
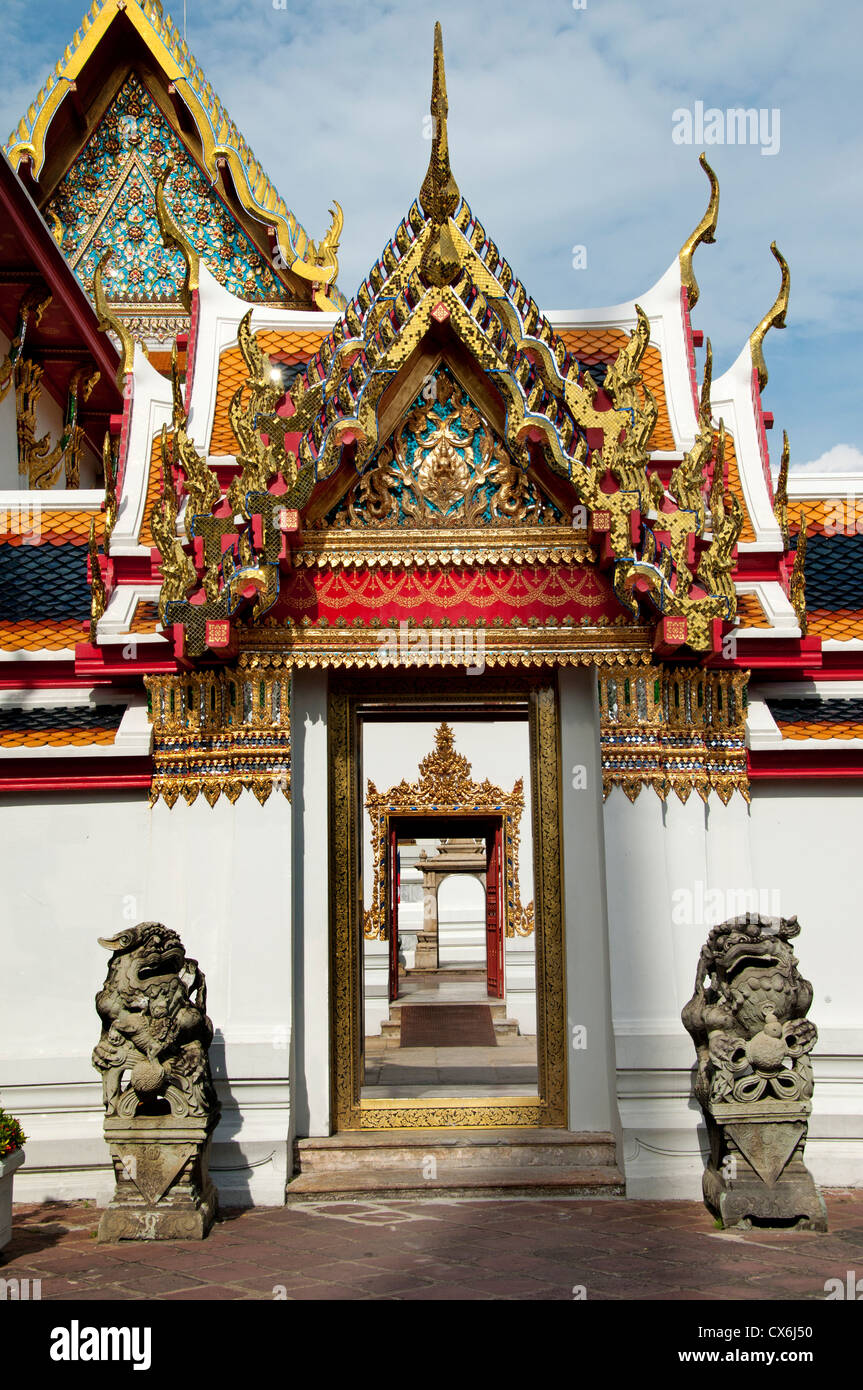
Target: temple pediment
444,466
443,405
126,103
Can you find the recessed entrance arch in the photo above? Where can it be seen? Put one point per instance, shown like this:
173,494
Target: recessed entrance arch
480,811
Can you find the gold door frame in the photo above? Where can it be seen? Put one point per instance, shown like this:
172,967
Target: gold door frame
537,697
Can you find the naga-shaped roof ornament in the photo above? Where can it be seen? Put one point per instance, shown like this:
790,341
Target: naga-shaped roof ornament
774,318
780,499
704,232
109,322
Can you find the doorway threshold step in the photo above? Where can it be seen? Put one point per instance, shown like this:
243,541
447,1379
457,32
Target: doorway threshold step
358,1160
391,1028
408,1183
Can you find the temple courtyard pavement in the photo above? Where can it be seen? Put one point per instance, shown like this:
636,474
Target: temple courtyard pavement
438,1249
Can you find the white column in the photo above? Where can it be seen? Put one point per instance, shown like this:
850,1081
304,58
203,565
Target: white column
592,1095
311,904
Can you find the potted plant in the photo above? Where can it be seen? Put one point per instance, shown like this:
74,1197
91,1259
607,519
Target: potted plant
12,1141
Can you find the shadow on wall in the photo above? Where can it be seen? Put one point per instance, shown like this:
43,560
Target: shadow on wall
230,1170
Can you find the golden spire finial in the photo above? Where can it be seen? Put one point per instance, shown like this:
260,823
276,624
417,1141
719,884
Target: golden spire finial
774,318
439,195
705,231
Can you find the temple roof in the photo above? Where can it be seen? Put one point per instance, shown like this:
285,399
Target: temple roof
130,51
600,411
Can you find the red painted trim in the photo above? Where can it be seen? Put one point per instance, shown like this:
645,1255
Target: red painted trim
134,569
837,668
777,654
109,661
808,763
751,568
21,211
88,774
24,678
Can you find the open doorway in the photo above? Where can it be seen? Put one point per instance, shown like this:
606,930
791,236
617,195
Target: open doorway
449,959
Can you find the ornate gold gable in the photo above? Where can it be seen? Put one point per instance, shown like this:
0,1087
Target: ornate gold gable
449,466
442,309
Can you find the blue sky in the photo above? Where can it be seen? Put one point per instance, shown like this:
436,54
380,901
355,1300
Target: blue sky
560,128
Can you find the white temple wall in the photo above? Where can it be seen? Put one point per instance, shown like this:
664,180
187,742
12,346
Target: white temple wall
673,871
806,840
75,870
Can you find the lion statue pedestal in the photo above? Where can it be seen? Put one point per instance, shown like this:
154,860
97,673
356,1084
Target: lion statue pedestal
754,1074
159,1124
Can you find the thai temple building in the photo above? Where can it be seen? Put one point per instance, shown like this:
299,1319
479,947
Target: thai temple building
441,666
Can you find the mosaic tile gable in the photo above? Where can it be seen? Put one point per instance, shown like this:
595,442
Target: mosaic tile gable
107,199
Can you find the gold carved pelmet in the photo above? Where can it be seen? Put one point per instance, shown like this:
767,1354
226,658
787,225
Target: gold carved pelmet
222,731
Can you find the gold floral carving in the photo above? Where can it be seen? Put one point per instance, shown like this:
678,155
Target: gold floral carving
178,572
780,500
459,474
361,648
98,595
798,579
774,318
705,233
389,545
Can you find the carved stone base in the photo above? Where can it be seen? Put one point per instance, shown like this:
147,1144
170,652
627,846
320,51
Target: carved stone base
163,1191
426,954
756,1172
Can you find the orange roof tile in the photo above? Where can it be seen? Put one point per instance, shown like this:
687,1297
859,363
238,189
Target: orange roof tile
837,625
592,345
289,345
820,728
750,611
43,634
154,485
49,525
734,485
145,617
55,738
826,516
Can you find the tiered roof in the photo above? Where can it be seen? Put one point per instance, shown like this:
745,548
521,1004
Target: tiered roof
600,411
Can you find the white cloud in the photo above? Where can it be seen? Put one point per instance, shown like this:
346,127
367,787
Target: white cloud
842,458
560,127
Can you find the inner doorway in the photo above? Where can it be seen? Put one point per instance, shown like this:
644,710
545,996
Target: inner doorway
461,934
498,723
446,863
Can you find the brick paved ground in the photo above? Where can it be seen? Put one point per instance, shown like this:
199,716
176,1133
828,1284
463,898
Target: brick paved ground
465,1250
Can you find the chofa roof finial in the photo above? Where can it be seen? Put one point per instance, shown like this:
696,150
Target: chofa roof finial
774,318
705,231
